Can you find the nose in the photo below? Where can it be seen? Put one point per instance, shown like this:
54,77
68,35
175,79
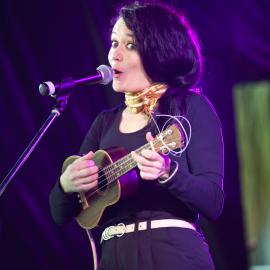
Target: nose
116,54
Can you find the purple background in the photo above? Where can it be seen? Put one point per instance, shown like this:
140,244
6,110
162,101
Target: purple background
49,40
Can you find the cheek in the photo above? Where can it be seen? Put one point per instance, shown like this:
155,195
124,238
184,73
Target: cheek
110,56
137,64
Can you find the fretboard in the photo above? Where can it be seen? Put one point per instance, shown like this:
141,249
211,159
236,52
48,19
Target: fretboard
123,165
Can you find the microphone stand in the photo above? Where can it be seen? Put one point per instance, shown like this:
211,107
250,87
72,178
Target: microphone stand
56,111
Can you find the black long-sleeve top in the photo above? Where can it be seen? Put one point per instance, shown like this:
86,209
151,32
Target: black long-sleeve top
196,188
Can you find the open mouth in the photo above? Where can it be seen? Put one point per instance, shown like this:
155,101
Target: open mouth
117,73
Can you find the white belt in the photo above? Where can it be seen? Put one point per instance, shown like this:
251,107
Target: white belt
120,229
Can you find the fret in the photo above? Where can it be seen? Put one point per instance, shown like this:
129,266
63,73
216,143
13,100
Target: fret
123,165
112,172
126,163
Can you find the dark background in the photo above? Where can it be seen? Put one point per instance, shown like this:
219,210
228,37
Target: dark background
49,40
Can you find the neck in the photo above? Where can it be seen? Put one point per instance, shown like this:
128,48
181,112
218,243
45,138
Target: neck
146,100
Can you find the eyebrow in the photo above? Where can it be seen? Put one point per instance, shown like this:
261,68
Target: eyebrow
129,35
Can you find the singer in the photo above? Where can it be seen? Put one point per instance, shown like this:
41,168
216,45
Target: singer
156,59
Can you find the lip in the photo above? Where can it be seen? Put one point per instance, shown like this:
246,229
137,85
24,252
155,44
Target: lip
117,73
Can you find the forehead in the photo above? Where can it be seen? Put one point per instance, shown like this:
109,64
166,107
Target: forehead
120,28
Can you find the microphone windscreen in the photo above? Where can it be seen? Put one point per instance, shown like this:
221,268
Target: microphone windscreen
106,73
46,88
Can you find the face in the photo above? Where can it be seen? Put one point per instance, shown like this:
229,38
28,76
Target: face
129,74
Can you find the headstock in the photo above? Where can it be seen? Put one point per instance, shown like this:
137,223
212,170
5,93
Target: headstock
170,139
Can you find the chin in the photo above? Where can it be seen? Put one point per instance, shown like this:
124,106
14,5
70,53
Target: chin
122,89
116,88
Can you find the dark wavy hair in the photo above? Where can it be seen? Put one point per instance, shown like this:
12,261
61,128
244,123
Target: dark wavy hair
167,44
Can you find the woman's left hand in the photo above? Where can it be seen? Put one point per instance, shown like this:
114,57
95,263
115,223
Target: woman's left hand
151,164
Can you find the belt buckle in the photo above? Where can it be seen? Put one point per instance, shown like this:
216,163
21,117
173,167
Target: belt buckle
106,233
124,226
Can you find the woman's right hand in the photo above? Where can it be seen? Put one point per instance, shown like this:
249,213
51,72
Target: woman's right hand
81,175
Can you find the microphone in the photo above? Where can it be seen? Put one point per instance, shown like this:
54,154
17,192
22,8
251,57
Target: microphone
103,75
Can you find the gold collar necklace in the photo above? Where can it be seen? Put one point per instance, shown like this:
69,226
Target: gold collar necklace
145,100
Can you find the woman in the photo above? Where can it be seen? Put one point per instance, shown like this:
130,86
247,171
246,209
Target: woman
156,61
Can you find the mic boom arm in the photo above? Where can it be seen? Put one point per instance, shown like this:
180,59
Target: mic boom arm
103,76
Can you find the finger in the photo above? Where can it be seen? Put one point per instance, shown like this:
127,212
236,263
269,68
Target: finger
149,137
147,169
86,172
83,164
87,156
150,140
151,155
86,180
86,187
148,176
141,161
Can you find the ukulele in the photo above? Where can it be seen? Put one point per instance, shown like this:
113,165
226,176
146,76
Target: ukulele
117,177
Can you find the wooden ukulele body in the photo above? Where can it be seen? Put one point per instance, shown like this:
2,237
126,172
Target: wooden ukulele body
94,203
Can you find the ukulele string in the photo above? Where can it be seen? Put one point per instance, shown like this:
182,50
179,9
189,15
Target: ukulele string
187,135
109,168
114,177
129,159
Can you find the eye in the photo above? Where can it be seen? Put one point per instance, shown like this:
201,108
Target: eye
114,43
131,46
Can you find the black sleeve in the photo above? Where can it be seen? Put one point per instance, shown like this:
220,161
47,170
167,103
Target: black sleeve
63,205
200,186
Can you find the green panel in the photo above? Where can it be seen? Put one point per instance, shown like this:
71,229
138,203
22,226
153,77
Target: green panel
252,119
